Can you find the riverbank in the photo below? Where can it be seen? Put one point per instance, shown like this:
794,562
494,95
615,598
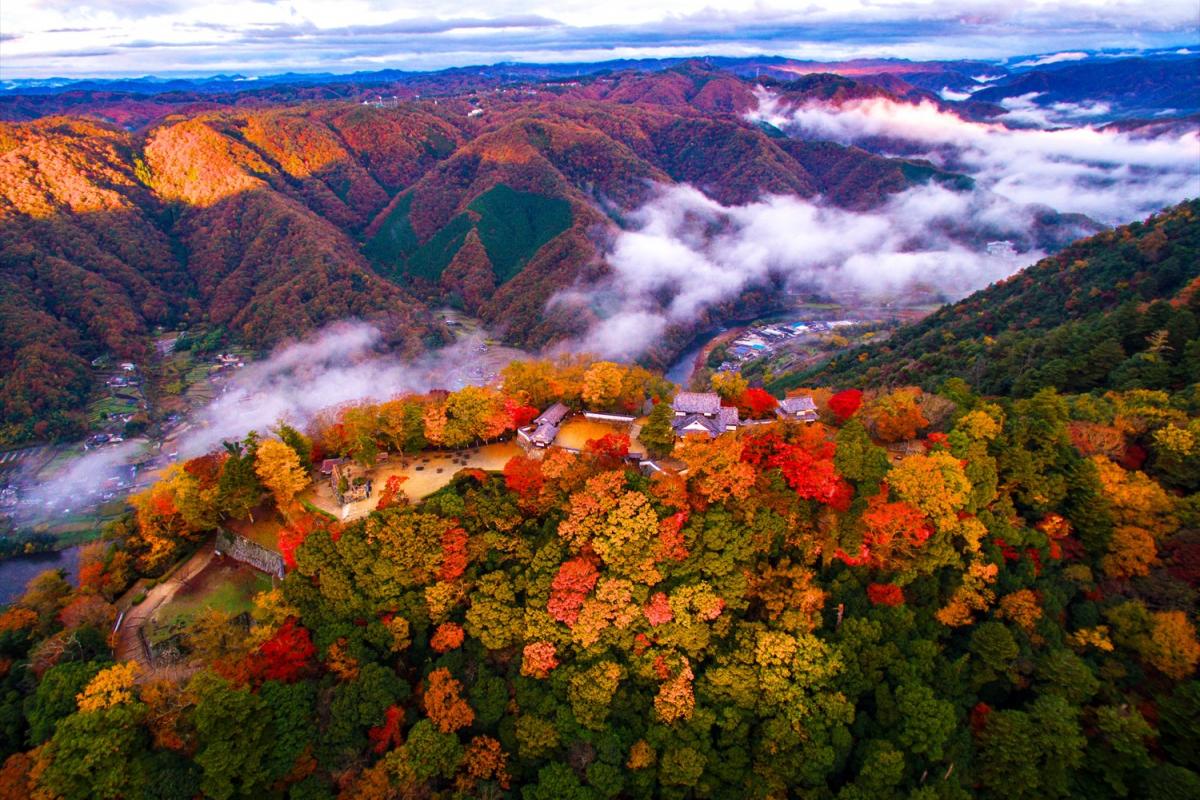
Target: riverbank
17,571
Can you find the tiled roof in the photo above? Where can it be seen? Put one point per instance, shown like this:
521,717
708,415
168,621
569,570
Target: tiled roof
545,433
697,403
796,405
552,415
728,417
711,426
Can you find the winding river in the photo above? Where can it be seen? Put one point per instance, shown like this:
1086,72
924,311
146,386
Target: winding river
17,571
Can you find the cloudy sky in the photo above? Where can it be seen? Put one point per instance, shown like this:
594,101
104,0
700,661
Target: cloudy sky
43,38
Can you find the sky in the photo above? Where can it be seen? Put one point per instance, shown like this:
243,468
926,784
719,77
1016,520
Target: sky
112,38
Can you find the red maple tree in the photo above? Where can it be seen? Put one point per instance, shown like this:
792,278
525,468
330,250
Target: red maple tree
571,585
286,656
885,594
523,475
845,404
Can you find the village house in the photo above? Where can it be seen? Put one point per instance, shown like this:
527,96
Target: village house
543,430
701,413
230,361
797,409
350,482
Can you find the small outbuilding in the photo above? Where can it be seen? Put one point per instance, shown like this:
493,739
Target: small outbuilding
797,409
701,413
544,429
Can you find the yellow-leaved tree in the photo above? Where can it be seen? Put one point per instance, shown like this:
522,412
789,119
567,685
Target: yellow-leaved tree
602,385
110,687
279,469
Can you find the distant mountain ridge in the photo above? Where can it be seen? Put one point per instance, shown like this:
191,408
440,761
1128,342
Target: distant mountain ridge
1120,77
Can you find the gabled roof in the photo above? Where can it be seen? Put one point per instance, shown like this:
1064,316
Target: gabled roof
728,417
697,403
797,405
544,434
552,415
696,423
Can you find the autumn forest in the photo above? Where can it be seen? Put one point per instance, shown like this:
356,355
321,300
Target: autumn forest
949,558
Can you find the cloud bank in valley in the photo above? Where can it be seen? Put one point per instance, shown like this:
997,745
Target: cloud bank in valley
1109,175
684,253
340,364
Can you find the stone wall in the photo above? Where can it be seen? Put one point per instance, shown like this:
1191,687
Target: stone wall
242,549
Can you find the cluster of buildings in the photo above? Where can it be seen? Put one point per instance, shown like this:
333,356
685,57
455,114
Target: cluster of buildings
229,361
1001,249
125,390
762,340
544,429
379,101
701,413
695,414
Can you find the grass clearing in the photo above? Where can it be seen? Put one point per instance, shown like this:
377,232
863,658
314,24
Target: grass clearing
224,585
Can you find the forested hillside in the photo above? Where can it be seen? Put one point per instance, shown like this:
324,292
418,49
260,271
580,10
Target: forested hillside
1119,310
918,596
272,221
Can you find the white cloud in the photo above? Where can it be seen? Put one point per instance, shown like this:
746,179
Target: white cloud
949,94
685,253
1025,111
337,365
113,37
340,364
1053,58
1108,175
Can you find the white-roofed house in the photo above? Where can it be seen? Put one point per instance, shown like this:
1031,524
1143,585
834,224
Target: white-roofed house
797,409
701,413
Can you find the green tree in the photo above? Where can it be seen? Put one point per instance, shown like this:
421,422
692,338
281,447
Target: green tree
860,459
233,738
98,754
54,698
557,782
1031,754
927,721
995,649
426,754
238,489
657,434
298,442
1062,672
1118,754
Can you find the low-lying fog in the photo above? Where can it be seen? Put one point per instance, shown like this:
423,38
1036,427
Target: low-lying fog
684,253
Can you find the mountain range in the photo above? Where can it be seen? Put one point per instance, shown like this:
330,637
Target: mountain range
271,212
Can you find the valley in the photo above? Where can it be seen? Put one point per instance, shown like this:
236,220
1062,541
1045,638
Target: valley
654,429
271,222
